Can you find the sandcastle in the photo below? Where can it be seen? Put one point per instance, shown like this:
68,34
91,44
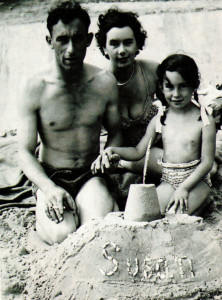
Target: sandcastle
111,258
142,203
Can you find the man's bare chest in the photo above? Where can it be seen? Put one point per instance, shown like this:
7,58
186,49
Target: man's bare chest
64,110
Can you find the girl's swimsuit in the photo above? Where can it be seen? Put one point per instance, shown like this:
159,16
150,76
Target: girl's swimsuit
173,173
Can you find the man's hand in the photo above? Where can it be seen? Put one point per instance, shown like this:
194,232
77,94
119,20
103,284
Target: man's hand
56,200
106,160
180,197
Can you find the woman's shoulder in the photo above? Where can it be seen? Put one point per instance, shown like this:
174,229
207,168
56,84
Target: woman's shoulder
149,65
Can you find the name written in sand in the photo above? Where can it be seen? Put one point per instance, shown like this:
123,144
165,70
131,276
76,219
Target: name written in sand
148,269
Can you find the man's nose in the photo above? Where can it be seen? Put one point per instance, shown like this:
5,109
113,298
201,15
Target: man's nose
70,47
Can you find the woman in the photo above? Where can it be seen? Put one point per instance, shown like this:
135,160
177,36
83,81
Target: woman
120,38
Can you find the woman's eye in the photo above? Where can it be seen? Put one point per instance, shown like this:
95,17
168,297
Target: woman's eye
128,43
114,43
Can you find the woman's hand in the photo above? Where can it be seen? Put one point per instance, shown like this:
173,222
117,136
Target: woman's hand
179,198
216,105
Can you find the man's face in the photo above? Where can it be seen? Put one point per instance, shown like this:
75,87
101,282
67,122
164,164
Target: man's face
69,42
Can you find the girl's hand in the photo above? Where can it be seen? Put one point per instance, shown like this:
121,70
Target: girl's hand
110,159
180,197
108,152
105,160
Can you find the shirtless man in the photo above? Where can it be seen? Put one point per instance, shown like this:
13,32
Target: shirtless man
66,105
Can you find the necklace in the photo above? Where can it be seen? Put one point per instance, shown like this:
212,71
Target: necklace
131,75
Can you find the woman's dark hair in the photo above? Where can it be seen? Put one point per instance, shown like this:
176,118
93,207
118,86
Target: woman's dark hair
66,11
185,66
116,18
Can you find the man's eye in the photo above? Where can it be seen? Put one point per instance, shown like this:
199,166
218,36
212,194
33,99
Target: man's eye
63,40
183,86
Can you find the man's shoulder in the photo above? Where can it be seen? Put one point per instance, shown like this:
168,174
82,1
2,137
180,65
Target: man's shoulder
33,88
103,76
37,81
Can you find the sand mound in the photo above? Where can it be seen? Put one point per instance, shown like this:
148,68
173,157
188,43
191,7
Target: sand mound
172,258
109,258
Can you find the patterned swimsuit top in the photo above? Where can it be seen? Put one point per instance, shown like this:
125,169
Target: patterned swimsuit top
134,129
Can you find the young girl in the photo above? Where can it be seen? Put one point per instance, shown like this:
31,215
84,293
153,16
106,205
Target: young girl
188,136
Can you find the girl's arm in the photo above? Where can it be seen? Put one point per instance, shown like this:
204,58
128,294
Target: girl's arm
135,153
207,156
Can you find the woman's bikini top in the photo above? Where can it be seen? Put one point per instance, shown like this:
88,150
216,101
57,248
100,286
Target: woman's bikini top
134,129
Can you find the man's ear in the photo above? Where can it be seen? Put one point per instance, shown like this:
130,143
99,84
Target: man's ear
89,37
49,41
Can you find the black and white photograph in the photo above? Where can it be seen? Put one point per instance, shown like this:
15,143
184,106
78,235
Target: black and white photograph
110,150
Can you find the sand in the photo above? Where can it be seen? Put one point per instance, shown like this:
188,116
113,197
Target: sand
177,257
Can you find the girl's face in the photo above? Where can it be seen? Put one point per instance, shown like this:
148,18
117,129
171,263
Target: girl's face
177,91
121,46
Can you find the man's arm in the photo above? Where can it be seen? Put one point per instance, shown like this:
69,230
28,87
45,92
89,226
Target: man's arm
28,133
111,122
111,118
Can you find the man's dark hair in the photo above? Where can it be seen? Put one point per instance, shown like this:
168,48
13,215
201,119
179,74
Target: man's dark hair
116,18
66,11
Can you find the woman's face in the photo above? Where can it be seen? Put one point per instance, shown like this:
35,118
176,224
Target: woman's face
121,46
